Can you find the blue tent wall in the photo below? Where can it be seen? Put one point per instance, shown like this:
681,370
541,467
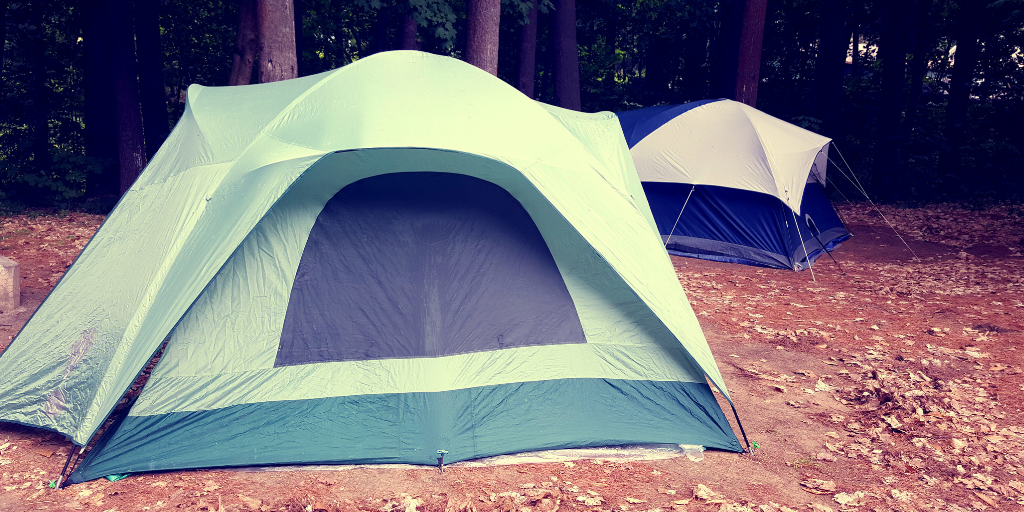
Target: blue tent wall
739,226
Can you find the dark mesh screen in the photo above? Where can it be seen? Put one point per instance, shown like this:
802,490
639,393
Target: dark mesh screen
424,264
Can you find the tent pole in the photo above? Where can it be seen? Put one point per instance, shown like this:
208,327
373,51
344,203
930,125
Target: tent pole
61,481
806,255
673,230
740,424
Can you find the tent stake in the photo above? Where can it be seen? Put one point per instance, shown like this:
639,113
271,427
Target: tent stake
673,230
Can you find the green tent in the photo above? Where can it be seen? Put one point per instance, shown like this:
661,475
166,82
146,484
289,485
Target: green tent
399,258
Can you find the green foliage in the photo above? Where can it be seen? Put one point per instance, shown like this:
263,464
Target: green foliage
632,54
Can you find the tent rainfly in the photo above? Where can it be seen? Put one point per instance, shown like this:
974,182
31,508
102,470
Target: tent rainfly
397,259
727,182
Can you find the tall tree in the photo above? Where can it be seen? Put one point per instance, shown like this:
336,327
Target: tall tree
151,74
893,53
483,21
275,33
739,49
833,42
410,29
3,35
100,121
567,56
920,42
128,111
748,65
528,51
245,44
380,30
298,8
965,59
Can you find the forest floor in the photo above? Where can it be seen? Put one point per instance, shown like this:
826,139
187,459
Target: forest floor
894,384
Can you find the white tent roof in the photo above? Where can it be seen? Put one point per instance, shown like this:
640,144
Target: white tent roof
730,144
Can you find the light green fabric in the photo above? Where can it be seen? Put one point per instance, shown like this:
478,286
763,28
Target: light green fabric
235,153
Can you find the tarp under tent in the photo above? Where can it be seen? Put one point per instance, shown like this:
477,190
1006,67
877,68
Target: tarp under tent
727,182
394,261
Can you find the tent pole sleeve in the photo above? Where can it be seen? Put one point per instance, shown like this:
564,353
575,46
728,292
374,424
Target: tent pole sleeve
673,230
807,256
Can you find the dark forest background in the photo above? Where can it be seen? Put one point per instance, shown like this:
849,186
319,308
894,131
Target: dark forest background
917,121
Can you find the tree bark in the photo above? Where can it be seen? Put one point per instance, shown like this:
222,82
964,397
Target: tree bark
275,32
410,29
528,52
918,65
3,36
380,30
727,49
833,41
483,22
855,51
245,44
128,112
748,66
151,75
298,9
893,53
100,122
965,59
567,57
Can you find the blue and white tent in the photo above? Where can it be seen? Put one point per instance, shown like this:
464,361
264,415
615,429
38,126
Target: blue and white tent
727,182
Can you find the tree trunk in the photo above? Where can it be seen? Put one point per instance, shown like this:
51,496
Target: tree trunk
727,49
965,58
100,122
3,36
657,71
833,41
893,53
748,66
694,75
275,32
410,38
298,9
567,57
918,65
528,52
130,143
151,75
855,51
380,30
483,21
245,44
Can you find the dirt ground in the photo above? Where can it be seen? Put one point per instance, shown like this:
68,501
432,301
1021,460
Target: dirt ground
892,384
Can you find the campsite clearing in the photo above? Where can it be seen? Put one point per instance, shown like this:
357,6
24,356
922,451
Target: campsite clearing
896,386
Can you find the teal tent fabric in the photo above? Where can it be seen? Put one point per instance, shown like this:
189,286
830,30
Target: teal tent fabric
205,249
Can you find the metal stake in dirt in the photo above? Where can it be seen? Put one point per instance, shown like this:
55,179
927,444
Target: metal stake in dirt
440,460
